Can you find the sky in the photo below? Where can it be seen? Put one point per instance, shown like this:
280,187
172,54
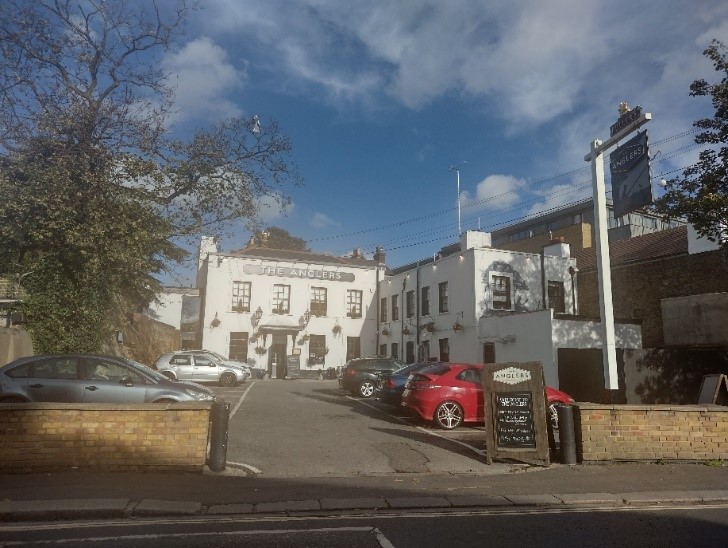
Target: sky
386,102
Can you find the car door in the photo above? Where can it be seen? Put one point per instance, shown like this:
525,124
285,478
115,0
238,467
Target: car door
204,369
109,381
55,379
472,393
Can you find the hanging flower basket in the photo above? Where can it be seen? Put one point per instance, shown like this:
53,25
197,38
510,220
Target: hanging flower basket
457,326
430,327
406,331
260,350
336,330
385,332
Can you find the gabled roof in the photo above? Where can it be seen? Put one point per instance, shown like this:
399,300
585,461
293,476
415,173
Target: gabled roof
302,256
665,243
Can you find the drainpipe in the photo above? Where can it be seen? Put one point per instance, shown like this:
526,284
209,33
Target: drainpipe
402,312
543,280
417,312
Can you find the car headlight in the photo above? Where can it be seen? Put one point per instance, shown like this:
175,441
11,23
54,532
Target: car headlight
200,396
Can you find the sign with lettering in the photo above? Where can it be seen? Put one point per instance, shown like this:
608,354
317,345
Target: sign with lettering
624,120
307,272
514,419
293,366
629,165
514,402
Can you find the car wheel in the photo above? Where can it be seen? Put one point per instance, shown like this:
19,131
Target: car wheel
366,389
554,416
169,375
227,379
448,415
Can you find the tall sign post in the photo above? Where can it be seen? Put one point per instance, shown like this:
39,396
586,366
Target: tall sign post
629,121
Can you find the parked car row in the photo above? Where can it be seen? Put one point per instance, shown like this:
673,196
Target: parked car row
448,394
85,378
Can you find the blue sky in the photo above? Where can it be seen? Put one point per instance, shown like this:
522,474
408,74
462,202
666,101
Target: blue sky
381,98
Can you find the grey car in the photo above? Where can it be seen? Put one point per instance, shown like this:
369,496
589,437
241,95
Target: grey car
84,378
199,367
222,359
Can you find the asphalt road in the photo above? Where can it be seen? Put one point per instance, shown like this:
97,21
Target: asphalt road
311,428
644,527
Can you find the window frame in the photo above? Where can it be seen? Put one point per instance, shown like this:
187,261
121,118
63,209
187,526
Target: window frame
508,293
281,299
318,305
443,298
238,346
354,303
242,292
395,307
410,303
559,296
425,301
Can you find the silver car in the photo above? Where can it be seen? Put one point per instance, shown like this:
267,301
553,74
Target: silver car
200,366
84,378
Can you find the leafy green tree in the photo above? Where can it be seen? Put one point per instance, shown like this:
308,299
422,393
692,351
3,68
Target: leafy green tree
701,195
278,238
93,188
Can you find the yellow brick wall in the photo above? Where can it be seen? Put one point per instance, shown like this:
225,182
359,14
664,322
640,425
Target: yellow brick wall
149,437
651,432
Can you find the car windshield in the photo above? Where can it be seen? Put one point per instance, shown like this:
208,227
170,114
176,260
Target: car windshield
437,369
407,369
148,371
216,355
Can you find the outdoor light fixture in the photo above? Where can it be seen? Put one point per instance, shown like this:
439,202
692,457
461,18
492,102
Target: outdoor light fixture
258,315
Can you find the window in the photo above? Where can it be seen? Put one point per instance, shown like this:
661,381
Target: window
444,350
425,301
410,351
353,303
383,309
54,368
395,307
383,349
239,346
281,299
103,370
444,306
410,304
317,350
471,375
489,353
353,348
556,296
501,292
318,301
181,359
395,350
241,296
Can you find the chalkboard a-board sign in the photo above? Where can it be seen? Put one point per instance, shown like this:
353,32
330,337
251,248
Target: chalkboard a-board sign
293,364
714,389
514,401
514,419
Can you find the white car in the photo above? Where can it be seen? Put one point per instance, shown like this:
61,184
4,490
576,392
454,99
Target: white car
202,366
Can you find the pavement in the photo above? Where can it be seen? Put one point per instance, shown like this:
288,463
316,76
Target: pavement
92,495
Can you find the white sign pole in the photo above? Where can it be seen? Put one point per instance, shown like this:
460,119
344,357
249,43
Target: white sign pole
604,270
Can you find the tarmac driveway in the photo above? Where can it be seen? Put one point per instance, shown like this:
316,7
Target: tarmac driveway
310,428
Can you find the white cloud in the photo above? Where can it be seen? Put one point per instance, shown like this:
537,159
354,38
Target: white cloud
495,192
271,207
202,75
321,220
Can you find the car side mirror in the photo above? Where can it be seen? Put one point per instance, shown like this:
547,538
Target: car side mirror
126,381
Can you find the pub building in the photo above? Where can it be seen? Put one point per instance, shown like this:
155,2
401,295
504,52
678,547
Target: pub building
296,314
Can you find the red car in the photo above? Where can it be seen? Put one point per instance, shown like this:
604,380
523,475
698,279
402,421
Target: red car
452,393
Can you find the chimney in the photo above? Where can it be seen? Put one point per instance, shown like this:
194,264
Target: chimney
380,255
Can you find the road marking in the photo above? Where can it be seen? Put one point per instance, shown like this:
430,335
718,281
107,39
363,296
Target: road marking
240,401
246,466
480,452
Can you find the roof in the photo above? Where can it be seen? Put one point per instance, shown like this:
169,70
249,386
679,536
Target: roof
665,243
302,256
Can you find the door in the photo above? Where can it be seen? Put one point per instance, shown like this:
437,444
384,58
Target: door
472,394
205,369
277,357
56,380
111,382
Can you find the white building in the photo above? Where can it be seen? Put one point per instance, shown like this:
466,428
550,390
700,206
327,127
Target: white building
273,308
469,303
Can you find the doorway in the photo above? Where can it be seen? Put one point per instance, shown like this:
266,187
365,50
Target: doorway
277,364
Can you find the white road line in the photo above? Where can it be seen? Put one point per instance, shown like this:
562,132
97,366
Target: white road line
240,401
480,452
246,466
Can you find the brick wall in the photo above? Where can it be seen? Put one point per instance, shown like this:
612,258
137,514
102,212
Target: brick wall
650,432
638,289
146,438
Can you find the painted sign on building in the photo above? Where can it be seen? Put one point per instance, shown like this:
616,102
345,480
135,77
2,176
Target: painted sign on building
308,272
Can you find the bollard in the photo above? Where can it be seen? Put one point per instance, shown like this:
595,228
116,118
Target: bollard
567,440
219,419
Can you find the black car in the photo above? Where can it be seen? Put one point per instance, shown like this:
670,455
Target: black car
360,375
390,384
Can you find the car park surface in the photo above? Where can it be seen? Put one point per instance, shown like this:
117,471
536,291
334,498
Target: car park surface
200,367
84,378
